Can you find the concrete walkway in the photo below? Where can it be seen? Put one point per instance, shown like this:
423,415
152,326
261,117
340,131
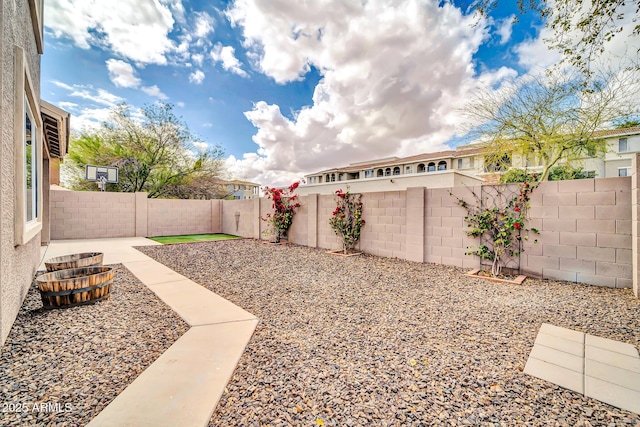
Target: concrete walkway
599,368
183,386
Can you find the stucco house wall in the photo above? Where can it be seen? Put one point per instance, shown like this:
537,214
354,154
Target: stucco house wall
18,262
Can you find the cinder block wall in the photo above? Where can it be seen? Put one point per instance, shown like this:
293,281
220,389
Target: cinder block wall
92,215
585,225
175,217
445,229
585,232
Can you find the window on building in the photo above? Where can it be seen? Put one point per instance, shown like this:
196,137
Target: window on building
31,168
421,168
28,152
387,172
380,172
339,177
368,173
442,165
396,170
408,169
623,145
499,165
431,167
624,171
459,163
333,177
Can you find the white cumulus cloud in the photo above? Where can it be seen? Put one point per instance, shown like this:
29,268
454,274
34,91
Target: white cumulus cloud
122,74
226,56
134,29
154,91
196,77
394,75
504,29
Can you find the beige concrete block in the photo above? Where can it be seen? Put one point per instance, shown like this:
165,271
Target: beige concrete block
414,252
577,212
623,226
590,279
394,194
559,199
563,377
559,224
543,212
548,237
558,251
442,231
624,283
452,242
543,262
184,384
578,265
612,394
435,259
441,251
613,212
569,276
433,241
578,239
613,184
453,222
400,203
623,197
605,198
614,241
596,254
440,211
624,256
577,186
393,246
613,269
392,212
596,226
561,343
385,203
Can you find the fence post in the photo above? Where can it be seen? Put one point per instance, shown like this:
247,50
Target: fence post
256,218
312,223
142,211
635,224
415,240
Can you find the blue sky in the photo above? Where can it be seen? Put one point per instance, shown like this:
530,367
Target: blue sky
288,87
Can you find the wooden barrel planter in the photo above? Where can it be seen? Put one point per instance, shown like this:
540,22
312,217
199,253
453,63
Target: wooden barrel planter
75,286
86,259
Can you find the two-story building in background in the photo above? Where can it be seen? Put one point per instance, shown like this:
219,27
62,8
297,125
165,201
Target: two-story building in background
241,190
463,166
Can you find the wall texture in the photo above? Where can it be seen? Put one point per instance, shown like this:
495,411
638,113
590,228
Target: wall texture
586,226
18,263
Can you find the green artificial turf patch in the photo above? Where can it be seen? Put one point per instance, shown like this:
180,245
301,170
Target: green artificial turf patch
187,238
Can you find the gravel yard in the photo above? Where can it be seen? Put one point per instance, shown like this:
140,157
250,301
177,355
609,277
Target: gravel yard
374,341
62,367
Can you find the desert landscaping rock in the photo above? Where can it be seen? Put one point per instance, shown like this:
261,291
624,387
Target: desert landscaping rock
62,367
372,341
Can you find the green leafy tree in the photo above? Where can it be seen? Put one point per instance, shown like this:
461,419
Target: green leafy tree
155,152
551,117
565,172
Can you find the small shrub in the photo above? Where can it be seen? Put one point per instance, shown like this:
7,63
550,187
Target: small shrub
284,207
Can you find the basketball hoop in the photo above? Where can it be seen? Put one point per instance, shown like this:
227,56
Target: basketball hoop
101,174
